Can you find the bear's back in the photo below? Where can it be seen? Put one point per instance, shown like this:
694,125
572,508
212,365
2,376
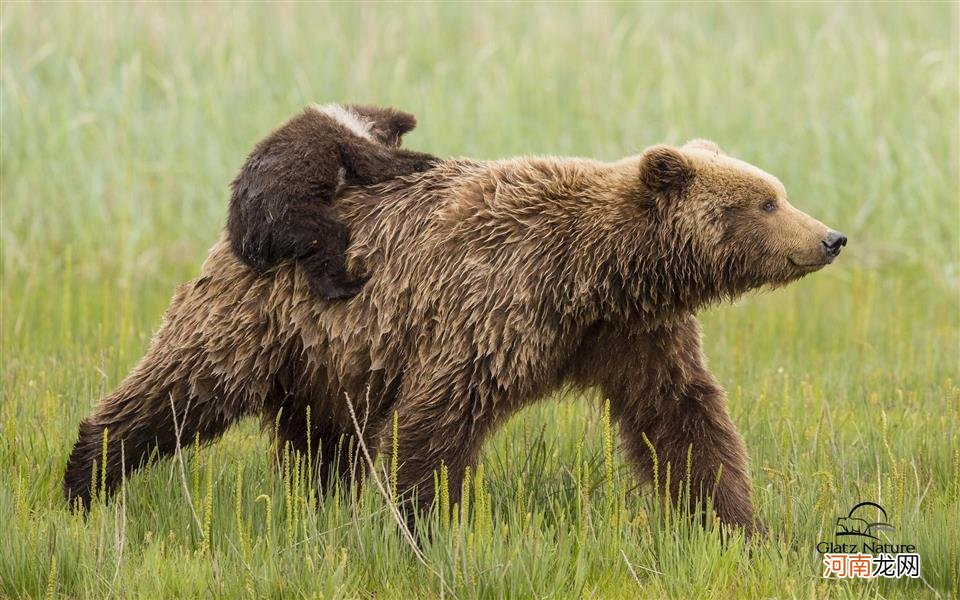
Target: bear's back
466,264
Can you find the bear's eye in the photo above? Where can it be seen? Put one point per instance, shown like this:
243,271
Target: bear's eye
769,206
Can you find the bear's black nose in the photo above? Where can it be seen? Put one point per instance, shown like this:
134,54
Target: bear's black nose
835,240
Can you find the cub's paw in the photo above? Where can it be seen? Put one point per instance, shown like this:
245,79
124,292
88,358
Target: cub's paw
416,162
329,287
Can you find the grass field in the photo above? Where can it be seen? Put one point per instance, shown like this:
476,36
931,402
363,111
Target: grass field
122,126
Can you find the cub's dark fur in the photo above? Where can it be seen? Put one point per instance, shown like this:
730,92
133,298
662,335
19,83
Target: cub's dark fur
280,208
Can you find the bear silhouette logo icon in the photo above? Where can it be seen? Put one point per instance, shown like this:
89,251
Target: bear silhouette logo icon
858,523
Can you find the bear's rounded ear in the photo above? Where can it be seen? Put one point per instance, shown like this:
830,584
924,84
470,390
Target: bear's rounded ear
389,124
702,144
401,122
664,170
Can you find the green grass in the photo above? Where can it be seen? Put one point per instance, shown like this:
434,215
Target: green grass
122,126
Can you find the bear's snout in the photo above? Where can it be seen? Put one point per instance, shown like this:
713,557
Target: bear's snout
833,243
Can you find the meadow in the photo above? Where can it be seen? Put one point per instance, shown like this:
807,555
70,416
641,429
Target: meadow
122,125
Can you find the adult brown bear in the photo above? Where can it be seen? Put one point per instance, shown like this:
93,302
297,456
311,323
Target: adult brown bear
491,284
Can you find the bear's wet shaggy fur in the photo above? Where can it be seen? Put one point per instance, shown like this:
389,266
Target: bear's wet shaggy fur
492,284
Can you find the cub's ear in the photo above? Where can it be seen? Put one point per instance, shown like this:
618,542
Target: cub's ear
389,124
400,122
702,144
664,170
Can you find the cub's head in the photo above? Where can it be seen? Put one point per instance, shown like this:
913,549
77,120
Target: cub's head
732,218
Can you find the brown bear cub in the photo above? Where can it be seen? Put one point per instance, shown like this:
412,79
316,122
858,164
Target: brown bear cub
281,209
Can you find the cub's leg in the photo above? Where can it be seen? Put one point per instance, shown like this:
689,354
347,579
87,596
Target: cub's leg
659,387
366,163
319,241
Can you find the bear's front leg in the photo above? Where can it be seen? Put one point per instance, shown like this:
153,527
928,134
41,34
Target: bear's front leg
661,392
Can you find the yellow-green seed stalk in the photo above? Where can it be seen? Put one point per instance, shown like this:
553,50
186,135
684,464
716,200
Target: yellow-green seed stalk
207,511
52,577
395,457
103,467
444,495
238,512
656,467
269,517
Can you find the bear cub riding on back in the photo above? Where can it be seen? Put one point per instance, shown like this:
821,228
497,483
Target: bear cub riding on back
281,205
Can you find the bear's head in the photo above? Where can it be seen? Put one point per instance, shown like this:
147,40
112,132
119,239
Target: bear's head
731,219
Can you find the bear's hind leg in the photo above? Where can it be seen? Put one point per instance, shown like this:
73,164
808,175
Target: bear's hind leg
138,419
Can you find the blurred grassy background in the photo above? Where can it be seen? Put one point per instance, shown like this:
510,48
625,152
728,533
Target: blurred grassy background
122,126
